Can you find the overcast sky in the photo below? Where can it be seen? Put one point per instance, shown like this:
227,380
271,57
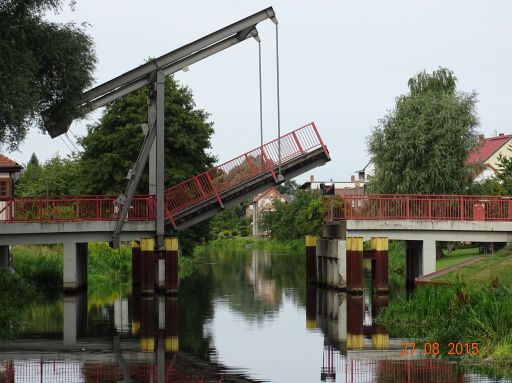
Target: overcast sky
342,64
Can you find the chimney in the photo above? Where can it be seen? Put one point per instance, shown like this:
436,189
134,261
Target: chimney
311,178
352,178
501,134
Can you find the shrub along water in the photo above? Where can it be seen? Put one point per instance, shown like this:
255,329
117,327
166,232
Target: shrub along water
456,313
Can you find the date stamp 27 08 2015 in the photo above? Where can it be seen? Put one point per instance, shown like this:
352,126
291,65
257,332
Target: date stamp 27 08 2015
435,348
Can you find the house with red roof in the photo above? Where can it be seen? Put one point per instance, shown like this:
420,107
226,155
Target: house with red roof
487,153
9,171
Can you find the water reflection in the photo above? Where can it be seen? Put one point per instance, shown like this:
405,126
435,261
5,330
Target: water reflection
242,316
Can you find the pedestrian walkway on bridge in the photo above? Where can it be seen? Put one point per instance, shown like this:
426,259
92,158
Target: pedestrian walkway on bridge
193,200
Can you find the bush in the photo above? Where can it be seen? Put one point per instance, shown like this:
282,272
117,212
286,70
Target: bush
40,266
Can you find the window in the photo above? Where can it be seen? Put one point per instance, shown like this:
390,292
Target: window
5,187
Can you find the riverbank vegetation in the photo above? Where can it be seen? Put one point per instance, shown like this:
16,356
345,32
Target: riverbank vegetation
473,305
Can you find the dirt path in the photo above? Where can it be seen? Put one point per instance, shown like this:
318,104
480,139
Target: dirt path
427,278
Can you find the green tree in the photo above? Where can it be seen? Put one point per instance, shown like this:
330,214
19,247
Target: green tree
57,176
302,216
111,146
504,174
44,66
422,144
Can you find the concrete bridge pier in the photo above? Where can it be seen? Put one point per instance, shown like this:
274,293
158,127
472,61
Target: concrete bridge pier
75,266
4,257
420,259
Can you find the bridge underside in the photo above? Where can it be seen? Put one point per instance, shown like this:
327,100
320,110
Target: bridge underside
243,191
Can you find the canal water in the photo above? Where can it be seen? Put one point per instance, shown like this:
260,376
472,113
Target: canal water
244,316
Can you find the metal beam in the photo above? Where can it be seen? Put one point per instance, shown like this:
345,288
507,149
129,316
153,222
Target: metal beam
180,53
173,68
160,159
124,200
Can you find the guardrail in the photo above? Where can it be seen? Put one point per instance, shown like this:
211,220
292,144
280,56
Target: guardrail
417,207
264,159
73,208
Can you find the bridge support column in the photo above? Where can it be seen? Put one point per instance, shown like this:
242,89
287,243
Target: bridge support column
311,258
420,259
380,270
171,265
413,260
4,257
355,264
75,266
147,247
429,257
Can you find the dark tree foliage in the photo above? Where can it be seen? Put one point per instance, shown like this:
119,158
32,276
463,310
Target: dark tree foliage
43,65
422,144
112,145
57,176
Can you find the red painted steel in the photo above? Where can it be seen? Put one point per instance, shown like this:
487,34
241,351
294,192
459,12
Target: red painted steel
213,182
76,208
417,207
196,190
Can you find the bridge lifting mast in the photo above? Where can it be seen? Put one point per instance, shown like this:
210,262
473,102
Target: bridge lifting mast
153,74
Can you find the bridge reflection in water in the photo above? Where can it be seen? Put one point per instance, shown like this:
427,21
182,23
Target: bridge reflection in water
155,338
357,349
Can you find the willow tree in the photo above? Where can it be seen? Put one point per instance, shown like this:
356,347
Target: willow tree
43,66
422,144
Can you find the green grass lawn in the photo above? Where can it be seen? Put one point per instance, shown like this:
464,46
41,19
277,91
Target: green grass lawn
484,272
457,256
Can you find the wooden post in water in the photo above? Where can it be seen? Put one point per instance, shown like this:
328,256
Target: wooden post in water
136,263
147,246
311,259
380,336
355,328
380,277
171,324
148,327
171,265
355,265
311,306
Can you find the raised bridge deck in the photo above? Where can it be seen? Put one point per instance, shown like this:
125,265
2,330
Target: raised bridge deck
186,204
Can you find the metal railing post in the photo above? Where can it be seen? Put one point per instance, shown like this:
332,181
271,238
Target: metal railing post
462,208
320,140
297,142
269,167
215,190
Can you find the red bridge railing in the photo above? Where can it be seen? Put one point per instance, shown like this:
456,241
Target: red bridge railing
263,159
73,208
417,207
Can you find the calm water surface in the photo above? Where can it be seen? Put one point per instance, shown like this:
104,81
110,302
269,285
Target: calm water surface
240,317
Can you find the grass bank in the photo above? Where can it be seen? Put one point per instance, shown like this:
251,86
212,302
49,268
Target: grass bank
475,306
